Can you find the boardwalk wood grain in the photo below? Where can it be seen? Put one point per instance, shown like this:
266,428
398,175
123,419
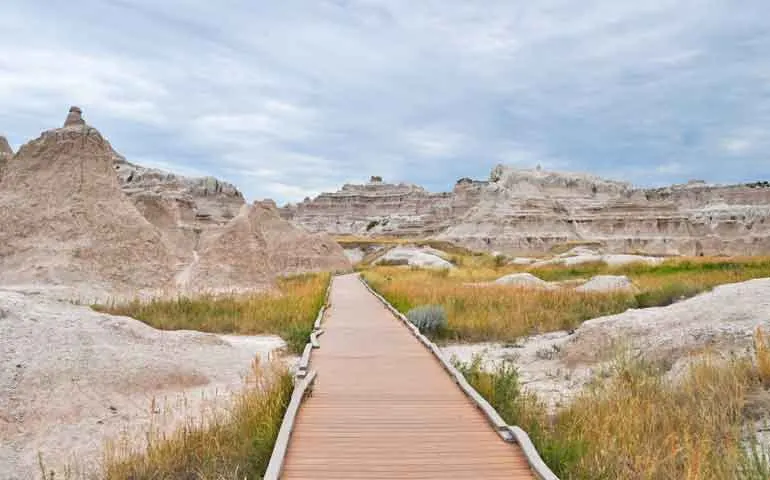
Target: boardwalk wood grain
383,407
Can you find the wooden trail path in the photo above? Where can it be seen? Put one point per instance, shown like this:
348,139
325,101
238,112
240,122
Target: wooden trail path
383,407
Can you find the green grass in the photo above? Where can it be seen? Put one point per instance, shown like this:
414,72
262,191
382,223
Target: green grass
289,312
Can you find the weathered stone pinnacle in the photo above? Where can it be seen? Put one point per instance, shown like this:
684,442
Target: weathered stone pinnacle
5,147
75,117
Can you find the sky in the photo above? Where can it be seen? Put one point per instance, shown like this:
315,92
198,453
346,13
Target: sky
290,98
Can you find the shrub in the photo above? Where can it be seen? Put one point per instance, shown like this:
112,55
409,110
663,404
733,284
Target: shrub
428,318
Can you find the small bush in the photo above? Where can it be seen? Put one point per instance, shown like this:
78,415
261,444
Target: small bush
428,318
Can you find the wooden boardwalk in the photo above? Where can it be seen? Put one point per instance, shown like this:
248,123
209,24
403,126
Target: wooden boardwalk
383,406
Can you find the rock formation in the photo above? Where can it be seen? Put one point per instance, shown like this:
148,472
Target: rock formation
77,215
376,208
255,247
66,221
74,118
6,153
181,207
529,211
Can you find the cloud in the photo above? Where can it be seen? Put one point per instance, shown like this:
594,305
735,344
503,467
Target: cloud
287,99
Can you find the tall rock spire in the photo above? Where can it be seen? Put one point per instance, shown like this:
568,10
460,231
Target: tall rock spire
5,153
5,147
74,117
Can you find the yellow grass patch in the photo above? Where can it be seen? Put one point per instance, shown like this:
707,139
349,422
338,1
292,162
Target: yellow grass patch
230,445
478,312
290,312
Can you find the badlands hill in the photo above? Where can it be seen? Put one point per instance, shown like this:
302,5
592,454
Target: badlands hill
5,153
77,216
529,211
66,221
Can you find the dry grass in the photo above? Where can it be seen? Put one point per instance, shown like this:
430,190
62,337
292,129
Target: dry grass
230,445
491,312
762,352
634,425
638,426
504,313
289,313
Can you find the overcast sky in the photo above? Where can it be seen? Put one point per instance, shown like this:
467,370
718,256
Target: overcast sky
289,98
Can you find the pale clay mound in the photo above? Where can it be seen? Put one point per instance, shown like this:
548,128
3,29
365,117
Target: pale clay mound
71,378
267,246
67,223
557,365
83,223
415,257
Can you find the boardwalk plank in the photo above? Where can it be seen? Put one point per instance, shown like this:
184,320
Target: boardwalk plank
382,406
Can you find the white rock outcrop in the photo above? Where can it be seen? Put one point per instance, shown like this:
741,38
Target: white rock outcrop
413,256
524,280
607,283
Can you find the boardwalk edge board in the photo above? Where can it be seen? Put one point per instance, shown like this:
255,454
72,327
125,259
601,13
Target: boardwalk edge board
507,432
303,381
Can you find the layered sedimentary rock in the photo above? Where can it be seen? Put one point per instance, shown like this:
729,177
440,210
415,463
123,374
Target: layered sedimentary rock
6,153
266,246
375,208
75,214
522,211
65,220
181,207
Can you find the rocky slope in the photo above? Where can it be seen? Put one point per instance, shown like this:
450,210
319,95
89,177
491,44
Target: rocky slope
66,221
529,211
76,215
266,246
6,153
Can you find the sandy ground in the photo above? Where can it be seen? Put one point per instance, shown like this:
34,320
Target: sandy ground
70,378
